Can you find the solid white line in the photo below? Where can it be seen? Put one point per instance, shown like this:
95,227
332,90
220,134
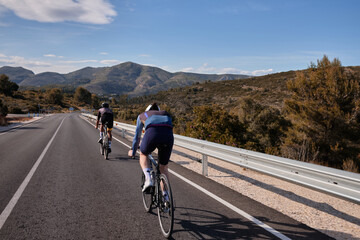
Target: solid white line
227,204
5,214
232,207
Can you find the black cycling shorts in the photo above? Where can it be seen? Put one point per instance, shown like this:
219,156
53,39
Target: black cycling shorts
161,138
107,118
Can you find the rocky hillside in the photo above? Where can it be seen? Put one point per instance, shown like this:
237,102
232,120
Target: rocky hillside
126,78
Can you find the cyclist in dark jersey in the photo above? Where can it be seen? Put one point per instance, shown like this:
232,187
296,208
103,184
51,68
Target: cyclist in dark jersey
158,134
105,115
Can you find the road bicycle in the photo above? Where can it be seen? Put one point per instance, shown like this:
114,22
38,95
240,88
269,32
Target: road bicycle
154,197
104,147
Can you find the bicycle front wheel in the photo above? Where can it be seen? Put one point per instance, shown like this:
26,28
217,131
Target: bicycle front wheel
147,196
101,149
106,152
165,207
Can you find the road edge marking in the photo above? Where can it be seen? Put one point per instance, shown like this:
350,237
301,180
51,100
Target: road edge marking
232,207
10,206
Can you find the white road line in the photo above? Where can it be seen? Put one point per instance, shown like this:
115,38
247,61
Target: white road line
232,207
5,214
227,204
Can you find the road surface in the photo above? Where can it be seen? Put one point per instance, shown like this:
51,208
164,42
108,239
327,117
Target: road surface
54,184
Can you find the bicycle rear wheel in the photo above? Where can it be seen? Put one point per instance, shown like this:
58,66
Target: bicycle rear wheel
147,197
165,207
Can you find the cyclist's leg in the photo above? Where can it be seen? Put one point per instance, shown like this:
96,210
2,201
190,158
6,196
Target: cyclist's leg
146,147
109,121
110,136
164,152
144,162
164,169
101,133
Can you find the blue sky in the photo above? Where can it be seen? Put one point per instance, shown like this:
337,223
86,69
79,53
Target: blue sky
253,37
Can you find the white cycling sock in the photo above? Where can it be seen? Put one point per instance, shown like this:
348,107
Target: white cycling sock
101,135
147,173
109,144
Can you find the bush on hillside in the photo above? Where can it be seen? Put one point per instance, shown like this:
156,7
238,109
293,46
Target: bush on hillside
6,86
325,113
216,125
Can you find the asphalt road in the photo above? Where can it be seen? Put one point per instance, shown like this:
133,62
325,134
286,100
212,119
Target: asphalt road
73,193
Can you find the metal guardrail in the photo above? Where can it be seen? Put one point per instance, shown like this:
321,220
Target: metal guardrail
334,181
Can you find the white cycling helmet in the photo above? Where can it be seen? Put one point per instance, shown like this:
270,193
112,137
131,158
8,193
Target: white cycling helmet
153,106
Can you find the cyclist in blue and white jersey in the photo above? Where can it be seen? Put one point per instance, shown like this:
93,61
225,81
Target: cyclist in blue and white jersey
158,134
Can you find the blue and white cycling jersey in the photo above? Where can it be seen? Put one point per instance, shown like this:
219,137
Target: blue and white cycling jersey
148,119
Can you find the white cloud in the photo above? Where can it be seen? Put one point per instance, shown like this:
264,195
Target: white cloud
188,69
84,11
262,72
79,61
206,69
52,56
104,53
253,73
110,62
16,61
53,63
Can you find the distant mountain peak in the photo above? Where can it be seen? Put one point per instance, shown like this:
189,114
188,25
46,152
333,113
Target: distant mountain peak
125,78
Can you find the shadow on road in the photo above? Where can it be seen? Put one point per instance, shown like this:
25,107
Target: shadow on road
120,158
203,224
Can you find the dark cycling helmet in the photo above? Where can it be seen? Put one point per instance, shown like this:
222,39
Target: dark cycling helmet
105,105
153,106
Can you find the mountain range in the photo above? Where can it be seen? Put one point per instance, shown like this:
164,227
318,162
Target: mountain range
126,78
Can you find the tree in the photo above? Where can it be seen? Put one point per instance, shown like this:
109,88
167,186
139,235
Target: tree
324,110
216,125
82,95
6,86
54,96
3,112
265,126
95,101
3,109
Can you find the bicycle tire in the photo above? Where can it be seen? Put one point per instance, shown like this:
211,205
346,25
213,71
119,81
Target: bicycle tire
106,152
101,149
105,143
165,208
147,197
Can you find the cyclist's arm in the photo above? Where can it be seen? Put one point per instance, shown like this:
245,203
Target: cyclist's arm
97,120
138,131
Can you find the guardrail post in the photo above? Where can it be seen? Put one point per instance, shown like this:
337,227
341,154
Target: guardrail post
204,165
123,133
